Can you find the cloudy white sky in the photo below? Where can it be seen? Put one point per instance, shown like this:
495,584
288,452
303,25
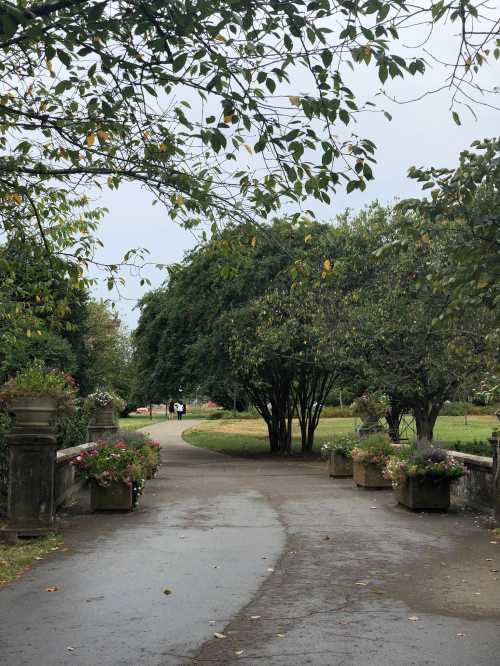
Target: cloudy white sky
421,133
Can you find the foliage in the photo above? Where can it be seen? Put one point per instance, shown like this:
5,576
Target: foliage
373,450
370,405
431,462
4,459
343,445
455,409
488,391
109,347
38,381
110,463
477,447
467,198
72,427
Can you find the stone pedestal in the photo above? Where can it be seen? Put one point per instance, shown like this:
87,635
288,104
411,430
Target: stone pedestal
495,446
103,424
32,459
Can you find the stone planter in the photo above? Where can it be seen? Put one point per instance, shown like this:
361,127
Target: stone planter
33,412
103,423
424,493
117,496
340,465
369,476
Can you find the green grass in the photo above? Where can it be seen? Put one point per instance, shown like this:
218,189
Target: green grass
17,559
134,422
249,438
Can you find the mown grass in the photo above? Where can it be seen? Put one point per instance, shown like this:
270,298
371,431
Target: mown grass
249,437
18,558
134,422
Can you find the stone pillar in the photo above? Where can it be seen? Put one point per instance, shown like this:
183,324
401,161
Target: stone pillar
32,461
495,445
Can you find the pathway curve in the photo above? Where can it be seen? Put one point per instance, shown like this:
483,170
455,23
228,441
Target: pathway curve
292,567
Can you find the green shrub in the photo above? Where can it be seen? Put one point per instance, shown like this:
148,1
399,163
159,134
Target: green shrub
72,428
374,450
455,409
477,447
343,444
336,412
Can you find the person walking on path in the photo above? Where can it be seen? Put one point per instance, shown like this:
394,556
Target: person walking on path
171,410
180,410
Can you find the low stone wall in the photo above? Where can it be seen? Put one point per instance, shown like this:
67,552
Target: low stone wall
475,488
67,486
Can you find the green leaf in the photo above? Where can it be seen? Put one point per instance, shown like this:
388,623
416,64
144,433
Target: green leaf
179,62
456,118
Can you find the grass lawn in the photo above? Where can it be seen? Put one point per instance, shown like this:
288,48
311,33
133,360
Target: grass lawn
17,559
134,422
249,437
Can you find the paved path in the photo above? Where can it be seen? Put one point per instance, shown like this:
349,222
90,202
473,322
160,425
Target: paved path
293,567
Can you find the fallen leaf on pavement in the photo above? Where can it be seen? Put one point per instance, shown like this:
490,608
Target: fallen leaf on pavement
212,622
414,618
52,589
270,569
36,558
494,570
460,635
477,593
376,590
238,652
363,584
255,617
494,542
280,635
373,507
443,564
489,559
219,636
167,591
70,649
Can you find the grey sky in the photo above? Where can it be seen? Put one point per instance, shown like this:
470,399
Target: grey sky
421,133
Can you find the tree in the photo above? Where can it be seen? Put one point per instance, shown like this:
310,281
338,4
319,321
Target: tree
467,201
110,350
172,94
410,351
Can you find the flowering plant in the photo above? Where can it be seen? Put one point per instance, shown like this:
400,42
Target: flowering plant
110,463
147,448
433,462
374,450
38,381
370,405
343,445
101,398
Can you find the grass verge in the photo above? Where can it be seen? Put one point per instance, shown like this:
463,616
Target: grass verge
19,558
134,422
249,437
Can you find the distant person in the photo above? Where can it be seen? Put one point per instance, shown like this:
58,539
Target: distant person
180,410
171,410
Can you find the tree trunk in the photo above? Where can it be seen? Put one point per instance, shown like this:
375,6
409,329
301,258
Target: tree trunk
425,419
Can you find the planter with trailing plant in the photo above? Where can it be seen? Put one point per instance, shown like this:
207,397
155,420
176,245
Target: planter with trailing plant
370,407
147,449
339,456
35,396
115,474
370,457
102,409
422,478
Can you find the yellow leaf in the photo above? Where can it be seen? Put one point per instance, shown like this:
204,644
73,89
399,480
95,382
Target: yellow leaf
327,265
28,333
425,238
179,199
220,38
294,100
307,238
254,241
482,284
90,140
110,181
49,65
323,275
17,198
103,135
468,63
219,636
228,118
248,148
163,147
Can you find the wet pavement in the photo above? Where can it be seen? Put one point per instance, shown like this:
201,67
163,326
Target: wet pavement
292,567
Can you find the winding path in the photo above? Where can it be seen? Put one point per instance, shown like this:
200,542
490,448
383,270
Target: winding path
292,567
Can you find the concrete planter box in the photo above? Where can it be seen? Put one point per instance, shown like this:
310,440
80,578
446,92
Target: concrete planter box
115,497
369,476
340,465
424,493
33,412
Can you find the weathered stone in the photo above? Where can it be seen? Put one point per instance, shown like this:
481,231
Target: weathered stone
103,424
424,493
115,497
369,476
340,465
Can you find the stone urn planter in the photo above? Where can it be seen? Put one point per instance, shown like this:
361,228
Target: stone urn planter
424,493
118,496
340,465
103,417
33,412
368,475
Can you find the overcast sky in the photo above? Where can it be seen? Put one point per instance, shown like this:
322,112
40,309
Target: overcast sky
421,133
